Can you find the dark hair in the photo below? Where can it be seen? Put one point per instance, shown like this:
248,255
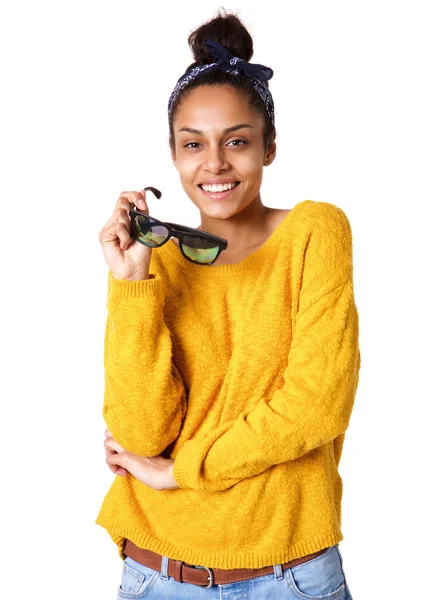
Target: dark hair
228,30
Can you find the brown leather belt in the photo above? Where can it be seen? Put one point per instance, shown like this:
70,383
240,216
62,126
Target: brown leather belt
203,576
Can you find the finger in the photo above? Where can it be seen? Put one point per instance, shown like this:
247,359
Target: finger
108,230
120,471
116,469
109,451
114,231
124,235
143,204
137,198
124,201
112,444
122,216
121,213
118,460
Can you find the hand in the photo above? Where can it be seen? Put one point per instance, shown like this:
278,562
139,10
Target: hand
154,471
126,258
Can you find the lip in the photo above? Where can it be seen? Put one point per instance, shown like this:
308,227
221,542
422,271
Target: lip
220,195
218,181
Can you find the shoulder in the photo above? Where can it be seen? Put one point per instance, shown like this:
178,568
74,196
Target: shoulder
328,241
326,217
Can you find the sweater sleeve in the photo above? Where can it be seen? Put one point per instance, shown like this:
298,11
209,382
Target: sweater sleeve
315,401
144,396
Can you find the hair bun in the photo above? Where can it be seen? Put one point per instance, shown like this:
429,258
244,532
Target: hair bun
226,29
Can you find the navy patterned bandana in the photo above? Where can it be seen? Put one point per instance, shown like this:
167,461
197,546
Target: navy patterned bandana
225,61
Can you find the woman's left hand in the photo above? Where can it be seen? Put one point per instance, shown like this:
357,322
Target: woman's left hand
154,471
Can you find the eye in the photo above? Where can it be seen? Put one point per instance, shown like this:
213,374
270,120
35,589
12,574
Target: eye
242,142
193,145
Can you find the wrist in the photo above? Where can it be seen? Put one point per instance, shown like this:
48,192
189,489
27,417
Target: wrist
140,275
136,277
171,483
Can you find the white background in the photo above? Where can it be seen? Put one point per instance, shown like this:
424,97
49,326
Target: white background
361,109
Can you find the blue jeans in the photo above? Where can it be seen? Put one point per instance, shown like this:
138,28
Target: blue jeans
321,577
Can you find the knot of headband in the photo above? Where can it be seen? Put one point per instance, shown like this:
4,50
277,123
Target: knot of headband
258,75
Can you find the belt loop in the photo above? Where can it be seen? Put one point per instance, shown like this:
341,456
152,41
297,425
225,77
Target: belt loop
164,567
278,572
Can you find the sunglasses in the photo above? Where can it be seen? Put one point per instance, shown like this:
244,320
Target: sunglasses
197,246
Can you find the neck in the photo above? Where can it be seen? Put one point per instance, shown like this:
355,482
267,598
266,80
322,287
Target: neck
243,230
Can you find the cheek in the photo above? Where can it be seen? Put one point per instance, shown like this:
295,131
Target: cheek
252,172
186,169
186,163
251,164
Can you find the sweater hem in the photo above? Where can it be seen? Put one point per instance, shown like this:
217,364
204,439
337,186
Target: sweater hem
218,560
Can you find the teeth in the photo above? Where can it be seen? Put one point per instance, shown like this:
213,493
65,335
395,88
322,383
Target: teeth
218,188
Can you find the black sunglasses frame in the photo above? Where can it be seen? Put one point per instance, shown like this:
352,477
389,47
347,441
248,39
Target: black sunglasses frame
177,231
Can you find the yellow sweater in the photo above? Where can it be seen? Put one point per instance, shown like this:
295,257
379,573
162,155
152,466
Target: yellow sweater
245,374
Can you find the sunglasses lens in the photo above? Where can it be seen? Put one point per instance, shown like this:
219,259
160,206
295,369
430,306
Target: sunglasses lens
199,250
147,231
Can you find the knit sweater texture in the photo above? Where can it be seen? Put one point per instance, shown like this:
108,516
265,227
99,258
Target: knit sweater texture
245,374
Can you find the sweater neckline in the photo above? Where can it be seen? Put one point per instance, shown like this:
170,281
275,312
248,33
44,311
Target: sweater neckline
228,269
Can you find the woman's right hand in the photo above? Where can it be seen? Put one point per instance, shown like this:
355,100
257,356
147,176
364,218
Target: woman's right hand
126,258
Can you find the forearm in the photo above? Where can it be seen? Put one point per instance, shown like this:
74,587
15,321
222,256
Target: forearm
312,407
144,397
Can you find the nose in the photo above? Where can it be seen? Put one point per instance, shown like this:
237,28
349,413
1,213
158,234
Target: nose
216,159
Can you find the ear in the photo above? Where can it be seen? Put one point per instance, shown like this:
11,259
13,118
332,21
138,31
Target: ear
270,154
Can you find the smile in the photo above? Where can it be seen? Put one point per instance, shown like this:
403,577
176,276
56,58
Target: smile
222,187
218,192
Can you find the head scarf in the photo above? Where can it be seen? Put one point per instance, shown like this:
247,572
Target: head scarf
258,75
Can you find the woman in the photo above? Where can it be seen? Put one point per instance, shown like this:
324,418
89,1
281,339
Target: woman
229,385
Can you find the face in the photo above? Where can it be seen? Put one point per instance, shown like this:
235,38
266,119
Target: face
210,153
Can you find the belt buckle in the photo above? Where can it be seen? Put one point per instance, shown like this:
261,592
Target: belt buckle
210,577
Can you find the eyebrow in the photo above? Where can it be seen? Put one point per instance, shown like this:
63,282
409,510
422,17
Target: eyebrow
228,130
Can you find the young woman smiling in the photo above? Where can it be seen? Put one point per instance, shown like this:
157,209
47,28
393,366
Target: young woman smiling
229,384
